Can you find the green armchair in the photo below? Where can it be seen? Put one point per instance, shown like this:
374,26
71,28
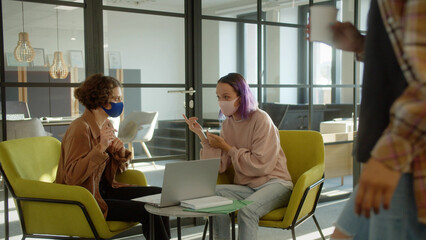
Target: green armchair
47,209
305,161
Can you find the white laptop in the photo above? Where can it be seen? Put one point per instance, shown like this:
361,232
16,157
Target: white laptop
185,180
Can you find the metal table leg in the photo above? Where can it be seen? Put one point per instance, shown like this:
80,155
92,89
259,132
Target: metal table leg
233,225
179,231
151,227
6,212
211,228
206,225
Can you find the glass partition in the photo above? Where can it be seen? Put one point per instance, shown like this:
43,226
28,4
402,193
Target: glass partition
283,63
230,8
229,47
147,50
141,48
51,106
169,137
148,46
285,11
54,42
44,49
175,6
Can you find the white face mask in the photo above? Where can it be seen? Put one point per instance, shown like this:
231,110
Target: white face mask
227,107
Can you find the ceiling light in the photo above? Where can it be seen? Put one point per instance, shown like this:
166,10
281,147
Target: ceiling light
23,51
58,69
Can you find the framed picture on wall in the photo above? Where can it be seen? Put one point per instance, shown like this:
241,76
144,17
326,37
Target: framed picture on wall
12,62
76,58
114,60
39,60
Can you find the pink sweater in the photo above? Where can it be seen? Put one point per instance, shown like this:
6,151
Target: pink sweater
256,152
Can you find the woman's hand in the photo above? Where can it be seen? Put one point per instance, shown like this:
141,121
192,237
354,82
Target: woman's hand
116,145
107,135
347,37
376,187
194,126
124,166
218,142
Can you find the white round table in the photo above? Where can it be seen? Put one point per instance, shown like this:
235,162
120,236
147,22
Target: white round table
178,212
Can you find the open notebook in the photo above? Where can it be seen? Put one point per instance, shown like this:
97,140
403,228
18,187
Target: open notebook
205,202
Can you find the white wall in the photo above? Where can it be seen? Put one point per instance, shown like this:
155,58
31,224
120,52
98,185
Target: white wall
153,44
289,56
219,58
210,51
347,71
156,46
227,48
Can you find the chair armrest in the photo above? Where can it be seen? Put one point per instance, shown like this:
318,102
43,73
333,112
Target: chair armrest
226,177
43,190
305,181
54,208
223,178
132,177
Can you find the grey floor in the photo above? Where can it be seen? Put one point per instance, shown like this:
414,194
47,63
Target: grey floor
327,212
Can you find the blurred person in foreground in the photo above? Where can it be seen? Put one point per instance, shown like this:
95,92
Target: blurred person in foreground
390,199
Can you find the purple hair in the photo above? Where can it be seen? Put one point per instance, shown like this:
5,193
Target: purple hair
247,101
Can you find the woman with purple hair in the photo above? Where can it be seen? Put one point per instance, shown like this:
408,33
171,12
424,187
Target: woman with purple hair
250,142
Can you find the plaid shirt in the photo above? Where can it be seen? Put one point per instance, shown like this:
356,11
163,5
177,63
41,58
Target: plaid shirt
402,146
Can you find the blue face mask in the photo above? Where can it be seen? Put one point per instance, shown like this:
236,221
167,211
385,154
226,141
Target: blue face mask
116,109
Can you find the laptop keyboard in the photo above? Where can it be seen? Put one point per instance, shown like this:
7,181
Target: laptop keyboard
153,198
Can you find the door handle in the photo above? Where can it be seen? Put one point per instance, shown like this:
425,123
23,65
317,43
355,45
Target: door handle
191,91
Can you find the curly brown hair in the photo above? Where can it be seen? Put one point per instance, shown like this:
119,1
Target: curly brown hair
96,90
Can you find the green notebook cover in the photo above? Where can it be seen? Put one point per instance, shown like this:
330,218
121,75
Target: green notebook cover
225,209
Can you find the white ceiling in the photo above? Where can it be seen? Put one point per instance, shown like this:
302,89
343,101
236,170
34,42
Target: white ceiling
71,18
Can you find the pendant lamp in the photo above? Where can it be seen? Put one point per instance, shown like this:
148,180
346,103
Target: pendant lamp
23,51
58,69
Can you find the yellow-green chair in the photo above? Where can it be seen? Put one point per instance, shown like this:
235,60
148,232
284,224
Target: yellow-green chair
305,161
51,210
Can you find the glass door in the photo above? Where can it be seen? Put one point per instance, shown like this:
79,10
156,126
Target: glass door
145,49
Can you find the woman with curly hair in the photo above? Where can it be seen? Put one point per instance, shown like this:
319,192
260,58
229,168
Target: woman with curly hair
91,155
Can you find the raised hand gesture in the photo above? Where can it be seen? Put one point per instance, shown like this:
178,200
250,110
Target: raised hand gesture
194,126
107,135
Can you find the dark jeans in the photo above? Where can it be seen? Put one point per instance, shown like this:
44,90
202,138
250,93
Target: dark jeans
121,208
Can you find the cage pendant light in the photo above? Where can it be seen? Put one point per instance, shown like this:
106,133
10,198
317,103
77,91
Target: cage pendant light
23,51
59,69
